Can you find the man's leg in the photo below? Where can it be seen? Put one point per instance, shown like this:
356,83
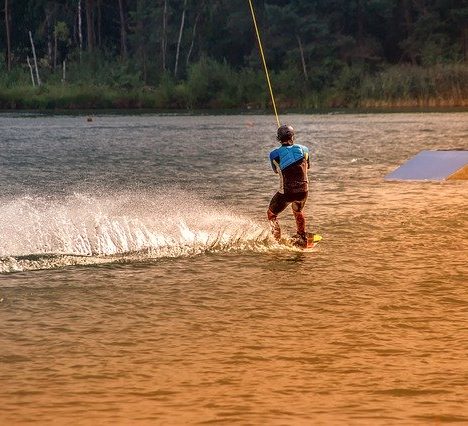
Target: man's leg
297,207
274,225
300,222
277,204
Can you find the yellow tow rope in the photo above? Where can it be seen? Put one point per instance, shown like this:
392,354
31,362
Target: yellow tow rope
264,62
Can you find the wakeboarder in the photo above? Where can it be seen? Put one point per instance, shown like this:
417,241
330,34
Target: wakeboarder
291,162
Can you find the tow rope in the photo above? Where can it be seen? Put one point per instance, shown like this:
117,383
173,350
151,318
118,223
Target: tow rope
264,62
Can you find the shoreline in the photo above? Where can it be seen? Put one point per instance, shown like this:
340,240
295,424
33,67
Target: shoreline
235,111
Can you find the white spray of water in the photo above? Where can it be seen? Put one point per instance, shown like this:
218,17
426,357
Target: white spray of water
35,232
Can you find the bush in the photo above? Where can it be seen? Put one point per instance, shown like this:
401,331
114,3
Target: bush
212,84
251,89
290,87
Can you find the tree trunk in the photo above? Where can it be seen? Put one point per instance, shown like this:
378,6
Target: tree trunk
90,24
407,17
31,70
145,66
409,27
141,45
193,39
360,28
35,59
49,39
99,23
8,40
301,50
260,12
55,48
164,36
181,29
80,32
123,32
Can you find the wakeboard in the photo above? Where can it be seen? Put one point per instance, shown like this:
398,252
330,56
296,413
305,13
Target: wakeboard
312,241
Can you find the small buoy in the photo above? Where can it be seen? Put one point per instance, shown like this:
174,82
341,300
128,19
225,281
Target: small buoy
89,119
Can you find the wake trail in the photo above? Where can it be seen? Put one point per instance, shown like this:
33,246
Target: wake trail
82,229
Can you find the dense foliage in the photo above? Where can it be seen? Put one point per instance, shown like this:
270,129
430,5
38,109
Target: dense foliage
199,53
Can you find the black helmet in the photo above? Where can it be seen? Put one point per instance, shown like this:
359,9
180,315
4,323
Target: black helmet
285,133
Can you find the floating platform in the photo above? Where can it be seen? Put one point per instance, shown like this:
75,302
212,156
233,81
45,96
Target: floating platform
433,165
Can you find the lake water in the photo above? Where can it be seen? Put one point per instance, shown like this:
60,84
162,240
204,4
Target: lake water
139,283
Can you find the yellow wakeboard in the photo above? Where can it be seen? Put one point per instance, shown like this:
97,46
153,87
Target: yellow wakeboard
312,241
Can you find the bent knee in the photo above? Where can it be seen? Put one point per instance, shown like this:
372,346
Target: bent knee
271,215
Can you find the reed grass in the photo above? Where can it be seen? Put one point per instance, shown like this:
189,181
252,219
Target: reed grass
210,84
412,86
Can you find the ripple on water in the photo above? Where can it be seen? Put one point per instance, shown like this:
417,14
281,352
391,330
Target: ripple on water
201,318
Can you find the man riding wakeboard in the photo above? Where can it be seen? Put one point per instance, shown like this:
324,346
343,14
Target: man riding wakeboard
291,162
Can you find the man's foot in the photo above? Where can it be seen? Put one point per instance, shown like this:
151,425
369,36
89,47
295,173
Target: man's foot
300,239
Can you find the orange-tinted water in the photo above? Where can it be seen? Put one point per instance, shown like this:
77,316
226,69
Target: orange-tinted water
140,285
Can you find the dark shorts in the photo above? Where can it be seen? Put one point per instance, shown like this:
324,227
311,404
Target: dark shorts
280,201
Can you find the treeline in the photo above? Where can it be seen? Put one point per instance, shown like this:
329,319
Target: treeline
200,53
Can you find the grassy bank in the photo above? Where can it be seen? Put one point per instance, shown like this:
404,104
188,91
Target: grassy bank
50,97
210,84
441,86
